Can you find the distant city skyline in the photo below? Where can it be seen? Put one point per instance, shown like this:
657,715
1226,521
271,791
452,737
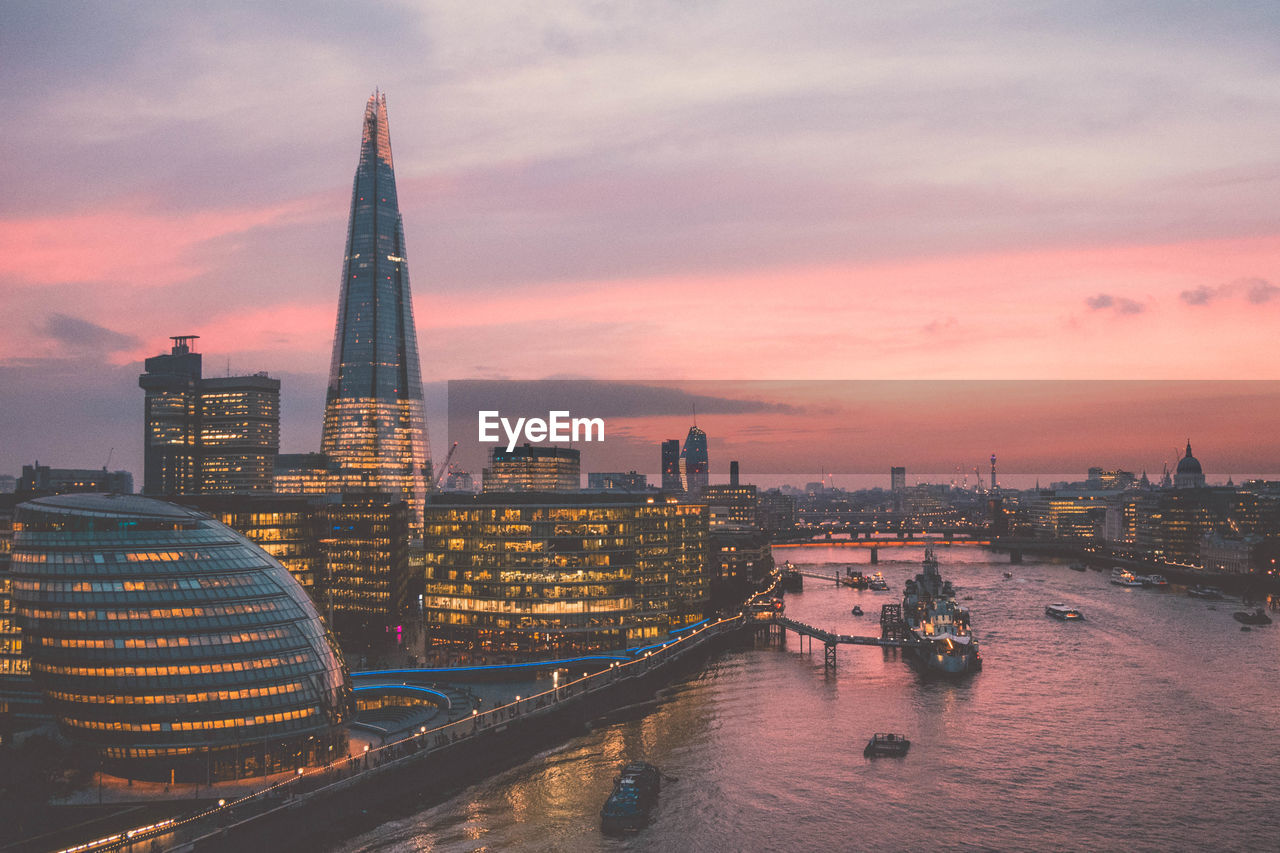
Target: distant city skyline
698,192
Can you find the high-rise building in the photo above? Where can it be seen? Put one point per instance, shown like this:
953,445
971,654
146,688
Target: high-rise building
529,468
366,568
207,435
897,478
695,470
671,466
375,426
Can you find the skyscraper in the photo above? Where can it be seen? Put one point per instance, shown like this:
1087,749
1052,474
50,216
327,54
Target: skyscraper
207,435
671,466
694,467
375,426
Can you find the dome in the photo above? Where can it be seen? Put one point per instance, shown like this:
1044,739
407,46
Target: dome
171,644
1189,464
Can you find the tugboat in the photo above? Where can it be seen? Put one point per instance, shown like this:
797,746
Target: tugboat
884,745
635,793
1257,616
877,583
940,627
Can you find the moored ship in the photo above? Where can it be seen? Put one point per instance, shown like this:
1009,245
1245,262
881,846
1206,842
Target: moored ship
940,627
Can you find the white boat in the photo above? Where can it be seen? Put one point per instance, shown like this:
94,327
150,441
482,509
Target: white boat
1154,580
1063,612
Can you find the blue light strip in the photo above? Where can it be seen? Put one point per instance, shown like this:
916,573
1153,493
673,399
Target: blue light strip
692,627
393,687
492,667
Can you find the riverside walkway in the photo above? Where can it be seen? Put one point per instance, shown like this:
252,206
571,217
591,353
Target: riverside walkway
480,734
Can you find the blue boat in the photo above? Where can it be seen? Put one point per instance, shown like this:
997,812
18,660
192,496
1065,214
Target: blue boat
635,793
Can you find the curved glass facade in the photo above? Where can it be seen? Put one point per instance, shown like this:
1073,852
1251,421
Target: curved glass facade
172,644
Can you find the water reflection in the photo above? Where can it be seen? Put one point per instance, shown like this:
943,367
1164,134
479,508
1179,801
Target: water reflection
1150,725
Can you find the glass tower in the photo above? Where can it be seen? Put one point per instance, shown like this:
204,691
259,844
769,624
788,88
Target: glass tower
375,428
694,467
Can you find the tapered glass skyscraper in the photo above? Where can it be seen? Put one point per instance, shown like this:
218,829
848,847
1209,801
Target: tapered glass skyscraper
375,429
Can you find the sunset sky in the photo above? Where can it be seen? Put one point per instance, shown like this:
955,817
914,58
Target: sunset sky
736,190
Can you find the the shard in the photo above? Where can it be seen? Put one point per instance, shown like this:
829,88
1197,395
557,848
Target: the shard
375,429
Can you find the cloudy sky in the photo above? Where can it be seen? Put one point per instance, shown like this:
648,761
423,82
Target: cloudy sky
672,190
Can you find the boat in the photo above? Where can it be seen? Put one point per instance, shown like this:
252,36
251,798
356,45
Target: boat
1154,580
877,583
884,745
792,580
1124,577
857,611
1063,612
1211,593
1008,575
1257,616
635,792
1078,567
939,626
853,579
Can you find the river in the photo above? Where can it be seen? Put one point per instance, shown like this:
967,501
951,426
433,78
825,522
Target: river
1150,726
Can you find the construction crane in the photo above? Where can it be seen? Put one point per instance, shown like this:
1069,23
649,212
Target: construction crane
444,467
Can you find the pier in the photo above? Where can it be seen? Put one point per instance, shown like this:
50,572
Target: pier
893,634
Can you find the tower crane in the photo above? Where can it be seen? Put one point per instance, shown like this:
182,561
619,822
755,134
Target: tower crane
444,467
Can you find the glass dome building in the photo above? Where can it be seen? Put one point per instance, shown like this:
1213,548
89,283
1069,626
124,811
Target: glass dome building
171,644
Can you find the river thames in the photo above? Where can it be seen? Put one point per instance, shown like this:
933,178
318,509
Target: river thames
1150,726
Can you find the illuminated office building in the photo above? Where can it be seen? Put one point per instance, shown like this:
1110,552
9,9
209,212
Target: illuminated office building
732,506
628,481
365,544
375,428
694,466
528,468
288,527
170,644
207,435
303,474
518,576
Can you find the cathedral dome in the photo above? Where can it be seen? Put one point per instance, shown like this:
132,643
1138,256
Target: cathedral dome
1189,464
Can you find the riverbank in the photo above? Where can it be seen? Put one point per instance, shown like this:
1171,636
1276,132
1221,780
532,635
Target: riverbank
305,810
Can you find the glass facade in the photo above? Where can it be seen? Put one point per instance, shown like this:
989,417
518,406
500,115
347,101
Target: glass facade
171,644
533,469
518,576
695,469
374,423
366,566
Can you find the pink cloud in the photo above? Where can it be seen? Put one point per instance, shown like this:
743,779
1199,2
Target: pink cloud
126,245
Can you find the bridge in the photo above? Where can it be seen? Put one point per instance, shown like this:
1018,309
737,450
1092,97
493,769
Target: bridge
893,634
